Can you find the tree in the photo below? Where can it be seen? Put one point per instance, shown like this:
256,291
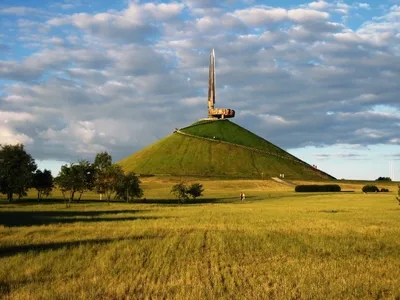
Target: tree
64,183
383,179
87,177
182,191
16,170
179,190
102,161
195,190
128,187
70,180
110,179
43,183
108,176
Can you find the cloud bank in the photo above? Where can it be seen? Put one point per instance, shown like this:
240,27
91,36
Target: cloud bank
120,79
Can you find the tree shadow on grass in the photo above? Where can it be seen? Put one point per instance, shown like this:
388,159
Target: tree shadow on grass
51,201
187,202
31,218
13,250
30,201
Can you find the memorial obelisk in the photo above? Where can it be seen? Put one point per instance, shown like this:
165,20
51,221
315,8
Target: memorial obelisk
215,113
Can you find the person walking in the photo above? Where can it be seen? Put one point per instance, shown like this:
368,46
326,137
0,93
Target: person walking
241,196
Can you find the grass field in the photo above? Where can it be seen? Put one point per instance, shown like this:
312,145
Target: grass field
277,244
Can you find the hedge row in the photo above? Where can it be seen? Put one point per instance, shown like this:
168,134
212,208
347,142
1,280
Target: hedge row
373,189
318,188
370,189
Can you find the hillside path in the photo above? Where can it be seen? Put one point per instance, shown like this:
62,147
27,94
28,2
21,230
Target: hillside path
283,181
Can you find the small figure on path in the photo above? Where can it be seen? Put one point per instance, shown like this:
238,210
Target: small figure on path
241,196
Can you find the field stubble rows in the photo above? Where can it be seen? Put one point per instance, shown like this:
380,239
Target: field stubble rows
277,244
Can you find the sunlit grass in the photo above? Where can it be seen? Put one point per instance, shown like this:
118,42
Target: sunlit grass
203,151
276,244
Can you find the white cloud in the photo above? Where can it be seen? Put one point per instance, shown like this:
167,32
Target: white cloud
134,24
347,155
370,133
351,37
10,136
259,16
118,80
383,31
335,6
395,141
207,23
319,5
15,117
163,11
21,11
15,98
342,8
306,15
363,5
276,119
194,101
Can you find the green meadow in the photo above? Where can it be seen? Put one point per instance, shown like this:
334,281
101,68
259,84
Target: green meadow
276,244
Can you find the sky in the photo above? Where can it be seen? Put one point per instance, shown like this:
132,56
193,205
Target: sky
319,79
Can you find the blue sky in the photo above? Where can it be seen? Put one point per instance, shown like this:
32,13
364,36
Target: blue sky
319,78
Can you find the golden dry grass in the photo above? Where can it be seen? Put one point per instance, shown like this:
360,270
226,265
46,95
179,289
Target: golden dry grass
277,244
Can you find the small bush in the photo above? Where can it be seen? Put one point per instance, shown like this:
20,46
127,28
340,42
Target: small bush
195,190
318,188
383,190
370,189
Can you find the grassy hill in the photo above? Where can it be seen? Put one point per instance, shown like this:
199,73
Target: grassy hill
224,130
218,149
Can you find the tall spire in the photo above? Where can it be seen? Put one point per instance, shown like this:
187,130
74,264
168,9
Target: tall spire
211,83
215,113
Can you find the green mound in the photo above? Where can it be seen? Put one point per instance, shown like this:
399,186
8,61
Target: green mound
224,130
218,148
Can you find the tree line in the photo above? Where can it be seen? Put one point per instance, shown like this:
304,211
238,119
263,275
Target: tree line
19,173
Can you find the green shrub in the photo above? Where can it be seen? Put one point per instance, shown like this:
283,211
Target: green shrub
370,189
195,190
318,188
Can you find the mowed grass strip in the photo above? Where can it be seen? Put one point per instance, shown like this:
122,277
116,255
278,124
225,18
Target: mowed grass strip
277,245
